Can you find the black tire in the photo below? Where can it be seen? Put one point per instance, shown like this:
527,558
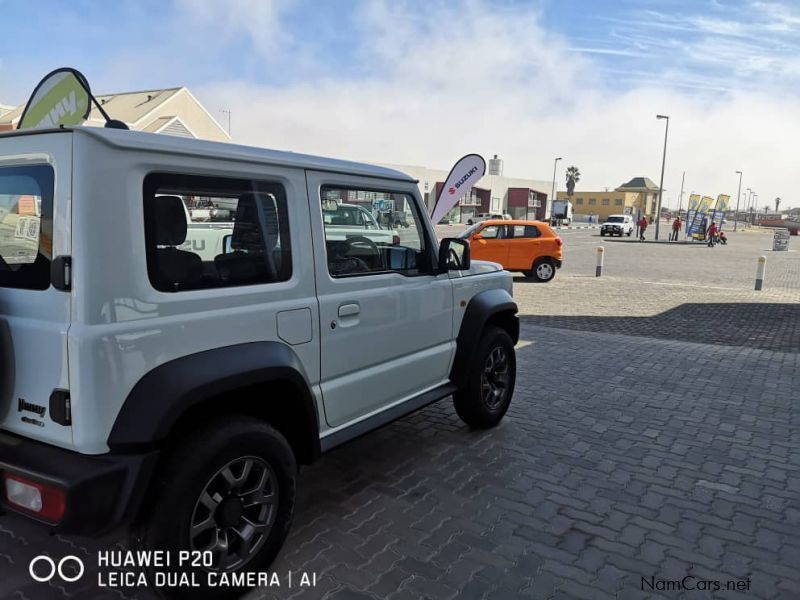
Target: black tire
602,233
482,410
543,270
195,465
629,233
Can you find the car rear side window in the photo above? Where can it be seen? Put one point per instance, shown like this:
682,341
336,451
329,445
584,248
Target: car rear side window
526,231
212,232
26,226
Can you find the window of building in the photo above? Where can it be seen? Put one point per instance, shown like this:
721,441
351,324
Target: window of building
592,201
619,202
605,201
579,201
253,248
360,241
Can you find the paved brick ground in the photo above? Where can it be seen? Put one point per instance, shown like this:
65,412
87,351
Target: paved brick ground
662,445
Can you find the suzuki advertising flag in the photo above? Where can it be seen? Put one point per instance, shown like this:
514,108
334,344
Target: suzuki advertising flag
61,98
464,174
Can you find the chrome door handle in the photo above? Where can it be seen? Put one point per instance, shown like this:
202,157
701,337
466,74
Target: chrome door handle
349,310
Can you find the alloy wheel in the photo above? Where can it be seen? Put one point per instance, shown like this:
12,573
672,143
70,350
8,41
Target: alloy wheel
235,512
494,379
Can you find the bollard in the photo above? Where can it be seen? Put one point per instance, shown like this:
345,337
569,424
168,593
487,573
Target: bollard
762,265
599,269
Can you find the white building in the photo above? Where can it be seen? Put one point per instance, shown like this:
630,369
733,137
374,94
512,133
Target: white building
521,198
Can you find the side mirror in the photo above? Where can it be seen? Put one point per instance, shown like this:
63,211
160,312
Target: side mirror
477,236
453,255
227,244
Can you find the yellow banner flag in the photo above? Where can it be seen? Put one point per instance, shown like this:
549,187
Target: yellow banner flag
722,202
694,201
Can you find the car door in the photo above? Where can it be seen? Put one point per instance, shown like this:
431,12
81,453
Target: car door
489,243
524,246
386,321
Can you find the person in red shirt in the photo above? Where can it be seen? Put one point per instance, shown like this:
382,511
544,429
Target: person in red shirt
676,229
642,227
712,234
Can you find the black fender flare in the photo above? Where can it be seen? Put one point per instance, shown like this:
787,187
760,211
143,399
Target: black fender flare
488,305
164,394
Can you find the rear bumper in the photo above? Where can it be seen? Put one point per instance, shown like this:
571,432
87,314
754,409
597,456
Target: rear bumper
557,263
102,492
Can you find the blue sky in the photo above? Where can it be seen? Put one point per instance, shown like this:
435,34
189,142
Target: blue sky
542,77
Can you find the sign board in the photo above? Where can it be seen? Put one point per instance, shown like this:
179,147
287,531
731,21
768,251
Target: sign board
61,98
780,240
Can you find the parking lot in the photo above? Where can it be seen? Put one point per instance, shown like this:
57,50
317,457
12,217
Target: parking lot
654,436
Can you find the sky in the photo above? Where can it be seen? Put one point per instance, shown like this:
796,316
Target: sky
424,82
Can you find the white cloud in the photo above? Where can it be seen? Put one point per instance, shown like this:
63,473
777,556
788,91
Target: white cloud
495,81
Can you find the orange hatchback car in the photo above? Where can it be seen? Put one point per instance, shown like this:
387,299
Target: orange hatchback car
530,247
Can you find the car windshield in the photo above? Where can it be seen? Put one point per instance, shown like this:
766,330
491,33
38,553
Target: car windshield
615,220
468,231
350,216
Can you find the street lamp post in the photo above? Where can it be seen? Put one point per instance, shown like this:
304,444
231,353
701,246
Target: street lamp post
738,195
755,206
680,198
553,193
663,163
747,207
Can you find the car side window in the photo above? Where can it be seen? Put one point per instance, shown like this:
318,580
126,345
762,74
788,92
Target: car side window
526,231
490,232
372,231
246,244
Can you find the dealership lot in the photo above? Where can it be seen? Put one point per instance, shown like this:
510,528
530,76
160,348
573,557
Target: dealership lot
654,435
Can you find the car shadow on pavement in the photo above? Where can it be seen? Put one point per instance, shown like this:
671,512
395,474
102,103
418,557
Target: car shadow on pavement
764,326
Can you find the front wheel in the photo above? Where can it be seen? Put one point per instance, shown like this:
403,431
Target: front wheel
228,491
486,395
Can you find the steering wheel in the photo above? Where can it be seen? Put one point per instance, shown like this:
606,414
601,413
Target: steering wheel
360,242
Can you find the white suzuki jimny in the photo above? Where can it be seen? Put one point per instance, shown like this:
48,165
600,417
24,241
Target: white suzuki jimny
148,385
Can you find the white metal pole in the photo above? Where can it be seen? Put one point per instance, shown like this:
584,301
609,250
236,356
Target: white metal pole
762,267
599,269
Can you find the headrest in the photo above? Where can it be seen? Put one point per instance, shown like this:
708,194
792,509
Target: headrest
167,219
255,212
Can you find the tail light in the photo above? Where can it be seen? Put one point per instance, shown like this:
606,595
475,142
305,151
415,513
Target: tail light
42,500
395,240
559,242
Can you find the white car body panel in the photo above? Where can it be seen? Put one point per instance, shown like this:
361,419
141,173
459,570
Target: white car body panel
100,339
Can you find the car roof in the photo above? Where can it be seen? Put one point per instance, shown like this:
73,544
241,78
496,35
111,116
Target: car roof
143,141
513,222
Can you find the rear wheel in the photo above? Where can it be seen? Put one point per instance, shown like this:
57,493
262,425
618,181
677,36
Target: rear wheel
486,396
229,491
543,270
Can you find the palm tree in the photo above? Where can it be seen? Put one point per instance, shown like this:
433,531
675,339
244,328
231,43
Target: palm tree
573,177
777,204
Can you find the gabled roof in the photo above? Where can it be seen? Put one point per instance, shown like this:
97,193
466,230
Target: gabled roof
128,107
638,183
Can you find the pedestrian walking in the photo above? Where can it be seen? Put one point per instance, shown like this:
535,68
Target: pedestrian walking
676,229
642,227
712,234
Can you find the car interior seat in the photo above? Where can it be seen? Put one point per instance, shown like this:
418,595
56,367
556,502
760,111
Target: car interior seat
256,255
166,227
